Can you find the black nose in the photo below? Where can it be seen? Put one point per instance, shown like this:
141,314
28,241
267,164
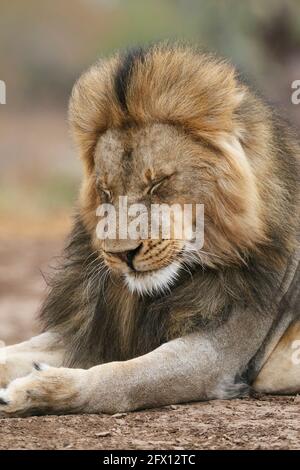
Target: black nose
128,256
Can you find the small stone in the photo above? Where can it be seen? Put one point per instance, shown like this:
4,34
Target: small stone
67,445
119,415
103,434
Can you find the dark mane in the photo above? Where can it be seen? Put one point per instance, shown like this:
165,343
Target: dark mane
122,78
101,321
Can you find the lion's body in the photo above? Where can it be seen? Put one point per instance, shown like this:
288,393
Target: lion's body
120,325
185,118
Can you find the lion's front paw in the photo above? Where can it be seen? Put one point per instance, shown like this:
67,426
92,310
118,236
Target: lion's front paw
13,366
45,390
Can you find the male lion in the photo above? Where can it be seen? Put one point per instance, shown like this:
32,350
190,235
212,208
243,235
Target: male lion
130,324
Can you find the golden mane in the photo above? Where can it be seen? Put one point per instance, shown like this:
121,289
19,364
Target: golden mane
174,85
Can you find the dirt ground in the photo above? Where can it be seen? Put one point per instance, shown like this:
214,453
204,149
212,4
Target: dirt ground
267,423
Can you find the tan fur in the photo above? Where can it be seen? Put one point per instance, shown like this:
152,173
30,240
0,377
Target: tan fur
281,372
229,192
204,102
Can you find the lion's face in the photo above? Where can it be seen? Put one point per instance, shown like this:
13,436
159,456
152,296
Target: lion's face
167,126
161,164
147,165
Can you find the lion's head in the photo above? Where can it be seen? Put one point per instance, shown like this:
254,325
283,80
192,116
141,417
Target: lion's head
170,125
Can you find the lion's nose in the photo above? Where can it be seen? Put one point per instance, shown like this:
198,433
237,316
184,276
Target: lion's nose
127,256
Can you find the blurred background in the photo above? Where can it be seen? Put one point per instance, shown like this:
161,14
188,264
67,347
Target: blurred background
44,47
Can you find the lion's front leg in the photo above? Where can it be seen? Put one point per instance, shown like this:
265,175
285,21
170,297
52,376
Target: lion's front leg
170,374
197,367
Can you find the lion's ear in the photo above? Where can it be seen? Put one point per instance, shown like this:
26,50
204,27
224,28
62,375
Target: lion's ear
93,108
240,186
232,149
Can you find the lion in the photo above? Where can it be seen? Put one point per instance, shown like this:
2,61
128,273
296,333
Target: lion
131,323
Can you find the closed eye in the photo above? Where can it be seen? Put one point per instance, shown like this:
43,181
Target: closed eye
156,184
104,191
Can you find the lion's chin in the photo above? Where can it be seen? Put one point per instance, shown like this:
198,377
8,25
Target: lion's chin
158,281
